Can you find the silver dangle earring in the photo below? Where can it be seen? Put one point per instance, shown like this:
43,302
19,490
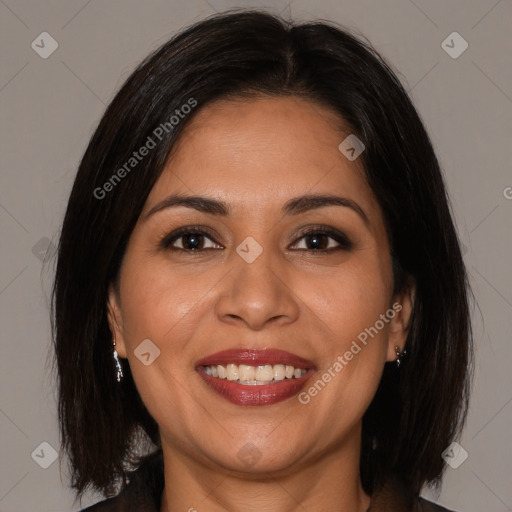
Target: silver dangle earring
117,362
399,355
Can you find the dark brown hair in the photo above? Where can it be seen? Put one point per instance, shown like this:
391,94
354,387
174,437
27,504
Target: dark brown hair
418,408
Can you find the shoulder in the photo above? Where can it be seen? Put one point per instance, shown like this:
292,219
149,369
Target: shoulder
393,495
125,501
142,493
429,506
110,505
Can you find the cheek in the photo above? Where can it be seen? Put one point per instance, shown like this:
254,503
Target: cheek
349,300
350,304
157,300
166,306
159,307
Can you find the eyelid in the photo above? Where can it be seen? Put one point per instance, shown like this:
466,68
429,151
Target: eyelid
344,243
340,237
170,238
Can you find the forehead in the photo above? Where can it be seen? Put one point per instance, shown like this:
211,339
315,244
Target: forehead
260,152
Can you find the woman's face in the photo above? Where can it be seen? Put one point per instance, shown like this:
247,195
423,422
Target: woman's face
253,283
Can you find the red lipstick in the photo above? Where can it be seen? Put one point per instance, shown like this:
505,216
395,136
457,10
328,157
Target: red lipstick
255,358
251,395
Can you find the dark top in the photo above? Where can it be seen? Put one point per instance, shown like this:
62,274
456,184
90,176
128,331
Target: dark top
143,493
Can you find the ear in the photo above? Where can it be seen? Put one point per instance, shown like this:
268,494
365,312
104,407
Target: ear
115,321
399,325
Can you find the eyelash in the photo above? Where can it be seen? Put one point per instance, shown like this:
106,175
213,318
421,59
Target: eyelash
339,237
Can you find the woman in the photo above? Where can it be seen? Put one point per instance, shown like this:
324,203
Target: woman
259,282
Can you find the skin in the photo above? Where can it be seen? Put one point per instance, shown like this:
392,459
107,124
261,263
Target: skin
255,155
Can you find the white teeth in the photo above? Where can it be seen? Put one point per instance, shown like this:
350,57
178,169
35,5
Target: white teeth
232,371
279,372
221,371
265,373
254,375
246,372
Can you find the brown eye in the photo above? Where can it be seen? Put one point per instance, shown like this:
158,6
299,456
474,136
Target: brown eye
321,240
195,240
188,240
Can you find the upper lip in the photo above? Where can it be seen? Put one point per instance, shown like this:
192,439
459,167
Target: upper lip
255,357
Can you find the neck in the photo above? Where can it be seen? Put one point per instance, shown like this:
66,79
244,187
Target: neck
330,482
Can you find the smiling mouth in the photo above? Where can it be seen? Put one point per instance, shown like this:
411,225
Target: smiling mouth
254,375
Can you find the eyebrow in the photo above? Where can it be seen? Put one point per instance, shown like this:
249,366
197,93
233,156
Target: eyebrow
294,206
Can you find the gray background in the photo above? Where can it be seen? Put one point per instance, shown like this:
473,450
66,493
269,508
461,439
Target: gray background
51,106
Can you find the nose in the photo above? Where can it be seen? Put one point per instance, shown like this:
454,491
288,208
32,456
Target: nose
258,294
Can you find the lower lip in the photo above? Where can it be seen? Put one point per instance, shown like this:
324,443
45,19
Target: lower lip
266,394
